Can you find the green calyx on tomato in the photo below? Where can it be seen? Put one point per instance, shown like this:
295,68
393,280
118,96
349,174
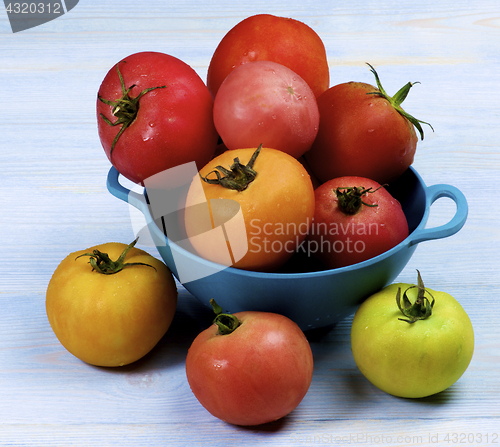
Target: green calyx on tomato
102,263
237,177
125,108
350,199
421,308
227,322
397,99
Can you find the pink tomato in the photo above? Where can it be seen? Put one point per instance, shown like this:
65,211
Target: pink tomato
266,103
250,368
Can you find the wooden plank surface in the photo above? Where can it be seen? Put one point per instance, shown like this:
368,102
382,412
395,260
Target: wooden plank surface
54,200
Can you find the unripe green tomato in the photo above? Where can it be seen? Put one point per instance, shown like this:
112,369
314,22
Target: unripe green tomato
416,359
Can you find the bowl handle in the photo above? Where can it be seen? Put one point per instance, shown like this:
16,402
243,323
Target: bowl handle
122,193
433,193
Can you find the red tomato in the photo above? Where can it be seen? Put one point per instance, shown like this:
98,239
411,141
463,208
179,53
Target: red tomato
363,132
256,374
278,39
355,219
266,103
161,128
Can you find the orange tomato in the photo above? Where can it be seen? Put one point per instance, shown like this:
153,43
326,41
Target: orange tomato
277,208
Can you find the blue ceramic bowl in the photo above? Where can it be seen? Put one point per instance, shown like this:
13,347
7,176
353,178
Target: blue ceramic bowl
312,299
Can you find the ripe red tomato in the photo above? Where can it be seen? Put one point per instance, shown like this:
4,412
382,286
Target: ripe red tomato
266,103
363,132
154,130
355,219
278,39
255,374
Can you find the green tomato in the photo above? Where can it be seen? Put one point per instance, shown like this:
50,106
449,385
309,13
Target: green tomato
412,350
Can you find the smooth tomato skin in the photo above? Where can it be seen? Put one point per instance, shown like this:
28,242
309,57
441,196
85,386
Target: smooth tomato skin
278,39
341,239
264,102
411,360
277,209
360,134
110,320
174,125
257,374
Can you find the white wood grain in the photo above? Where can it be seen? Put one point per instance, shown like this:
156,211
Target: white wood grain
53,200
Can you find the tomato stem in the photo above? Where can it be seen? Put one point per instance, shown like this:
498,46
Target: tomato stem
237,177
420,309
125,108
397,99
350,198
102,263
226,322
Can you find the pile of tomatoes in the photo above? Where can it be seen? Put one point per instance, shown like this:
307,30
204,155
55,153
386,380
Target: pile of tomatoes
271,91
307,165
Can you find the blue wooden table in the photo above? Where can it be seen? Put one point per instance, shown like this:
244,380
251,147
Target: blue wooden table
53,200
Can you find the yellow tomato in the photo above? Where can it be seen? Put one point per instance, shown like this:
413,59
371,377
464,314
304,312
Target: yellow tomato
412,359
106,318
